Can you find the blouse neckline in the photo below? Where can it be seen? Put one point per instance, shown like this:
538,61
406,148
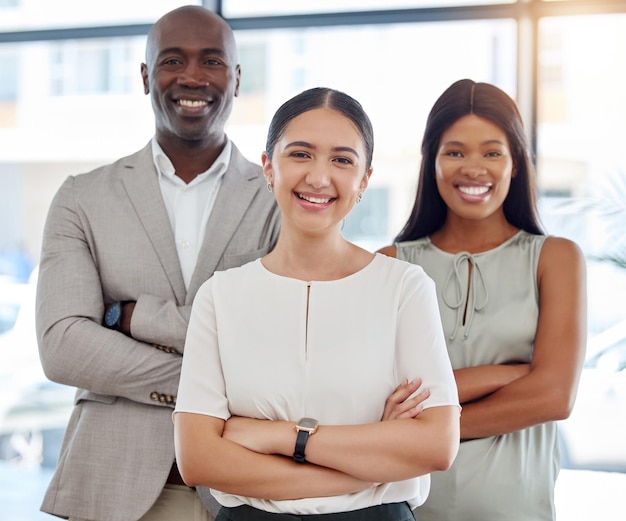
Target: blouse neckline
375,259
479,254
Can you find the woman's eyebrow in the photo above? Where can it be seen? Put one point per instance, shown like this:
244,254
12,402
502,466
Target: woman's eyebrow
299,144
306,144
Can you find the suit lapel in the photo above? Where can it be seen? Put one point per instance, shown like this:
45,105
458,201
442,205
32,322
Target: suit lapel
233,200
141,181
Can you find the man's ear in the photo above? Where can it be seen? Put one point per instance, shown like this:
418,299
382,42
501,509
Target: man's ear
144,77
238,79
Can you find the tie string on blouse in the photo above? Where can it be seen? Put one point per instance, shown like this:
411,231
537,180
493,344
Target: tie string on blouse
465,292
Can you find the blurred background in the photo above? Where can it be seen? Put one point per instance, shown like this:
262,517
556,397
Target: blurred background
71,99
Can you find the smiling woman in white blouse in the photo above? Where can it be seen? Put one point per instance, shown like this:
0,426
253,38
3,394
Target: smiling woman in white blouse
315,380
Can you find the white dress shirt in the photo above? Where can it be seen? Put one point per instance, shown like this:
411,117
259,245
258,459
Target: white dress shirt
189,205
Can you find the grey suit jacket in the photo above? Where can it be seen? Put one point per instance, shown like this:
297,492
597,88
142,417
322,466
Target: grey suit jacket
108,238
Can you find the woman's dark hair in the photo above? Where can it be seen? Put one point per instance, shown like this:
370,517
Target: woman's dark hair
320,97
487,101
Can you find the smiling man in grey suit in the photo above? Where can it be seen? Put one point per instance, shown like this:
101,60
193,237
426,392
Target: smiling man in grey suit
125,249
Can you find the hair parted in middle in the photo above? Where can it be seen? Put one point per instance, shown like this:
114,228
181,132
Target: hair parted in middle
322,97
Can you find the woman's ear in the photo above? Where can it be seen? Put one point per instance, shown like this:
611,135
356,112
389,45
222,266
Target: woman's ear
267,168
366,179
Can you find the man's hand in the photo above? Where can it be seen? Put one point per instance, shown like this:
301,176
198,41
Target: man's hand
127,314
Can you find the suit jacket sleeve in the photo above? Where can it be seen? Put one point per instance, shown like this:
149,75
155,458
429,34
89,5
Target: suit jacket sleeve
75,349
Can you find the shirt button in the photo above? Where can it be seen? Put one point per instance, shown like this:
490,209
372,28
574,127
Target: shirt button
186,244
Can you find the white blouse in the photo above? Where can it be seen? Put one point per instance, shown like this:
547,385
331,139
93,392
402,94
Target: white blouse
257,347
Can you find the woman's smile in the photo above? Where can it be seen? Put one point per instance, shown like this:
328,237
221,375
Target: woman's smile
316,199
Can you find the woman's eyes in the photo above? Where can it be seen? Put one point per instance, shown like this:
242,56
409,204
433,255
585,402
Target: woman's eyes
456,153
343,160
302,155
306,155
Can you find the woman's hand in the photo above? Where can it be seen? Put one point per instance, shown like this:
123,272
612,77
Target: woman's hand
265,436
253,434
399,405
206,457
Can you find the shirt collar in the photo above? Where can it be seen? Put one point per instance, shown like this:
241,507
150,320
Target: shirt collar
166,169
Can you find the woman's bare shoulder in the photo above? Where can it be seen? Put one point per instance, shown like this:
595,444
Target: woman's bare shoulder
561,255
559,248
390,250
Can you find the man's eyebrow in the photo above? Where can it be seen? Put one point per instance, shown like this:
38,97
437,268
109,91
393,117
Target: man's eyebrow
306,144
180,50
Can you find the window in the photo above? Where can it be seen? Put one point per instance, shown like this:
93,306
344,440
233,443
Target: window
583,179
367,222
92,67
16,15
10,71
236,8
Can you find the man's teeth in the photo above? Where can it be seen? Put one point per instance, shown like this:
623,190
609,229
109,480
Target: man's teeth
317,200
474,190
189,103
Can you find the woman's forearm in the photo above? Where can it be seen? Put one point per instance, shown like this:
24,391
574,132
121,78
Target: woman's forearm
477,382
396,449
206,459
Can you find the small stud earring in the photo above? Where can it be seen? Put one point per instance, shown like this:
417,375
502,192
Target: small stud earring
359,196
269,187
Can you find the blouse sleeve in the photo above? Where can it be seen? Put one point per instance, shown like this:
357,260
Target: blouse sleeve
202,389
420,341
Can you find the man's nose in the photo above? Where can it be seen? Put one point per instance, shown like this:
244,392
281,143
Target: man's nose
193,76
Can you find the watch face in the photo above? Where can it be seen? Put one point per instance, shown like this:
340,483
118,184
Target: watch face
307,424
113,314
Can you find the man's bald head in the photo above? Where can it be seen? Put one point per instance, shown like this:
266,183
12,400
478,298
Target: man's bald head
184,18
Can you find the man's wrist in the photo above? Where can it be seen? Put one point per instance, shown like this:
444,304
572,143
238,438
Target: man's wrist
128,308
118,315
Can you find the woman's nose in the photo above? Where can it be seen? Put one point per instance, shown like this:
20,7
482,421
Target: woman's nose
318,176
474,170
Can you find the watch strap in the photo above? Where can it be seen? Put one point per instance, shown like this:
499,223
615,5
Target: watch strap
301,439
